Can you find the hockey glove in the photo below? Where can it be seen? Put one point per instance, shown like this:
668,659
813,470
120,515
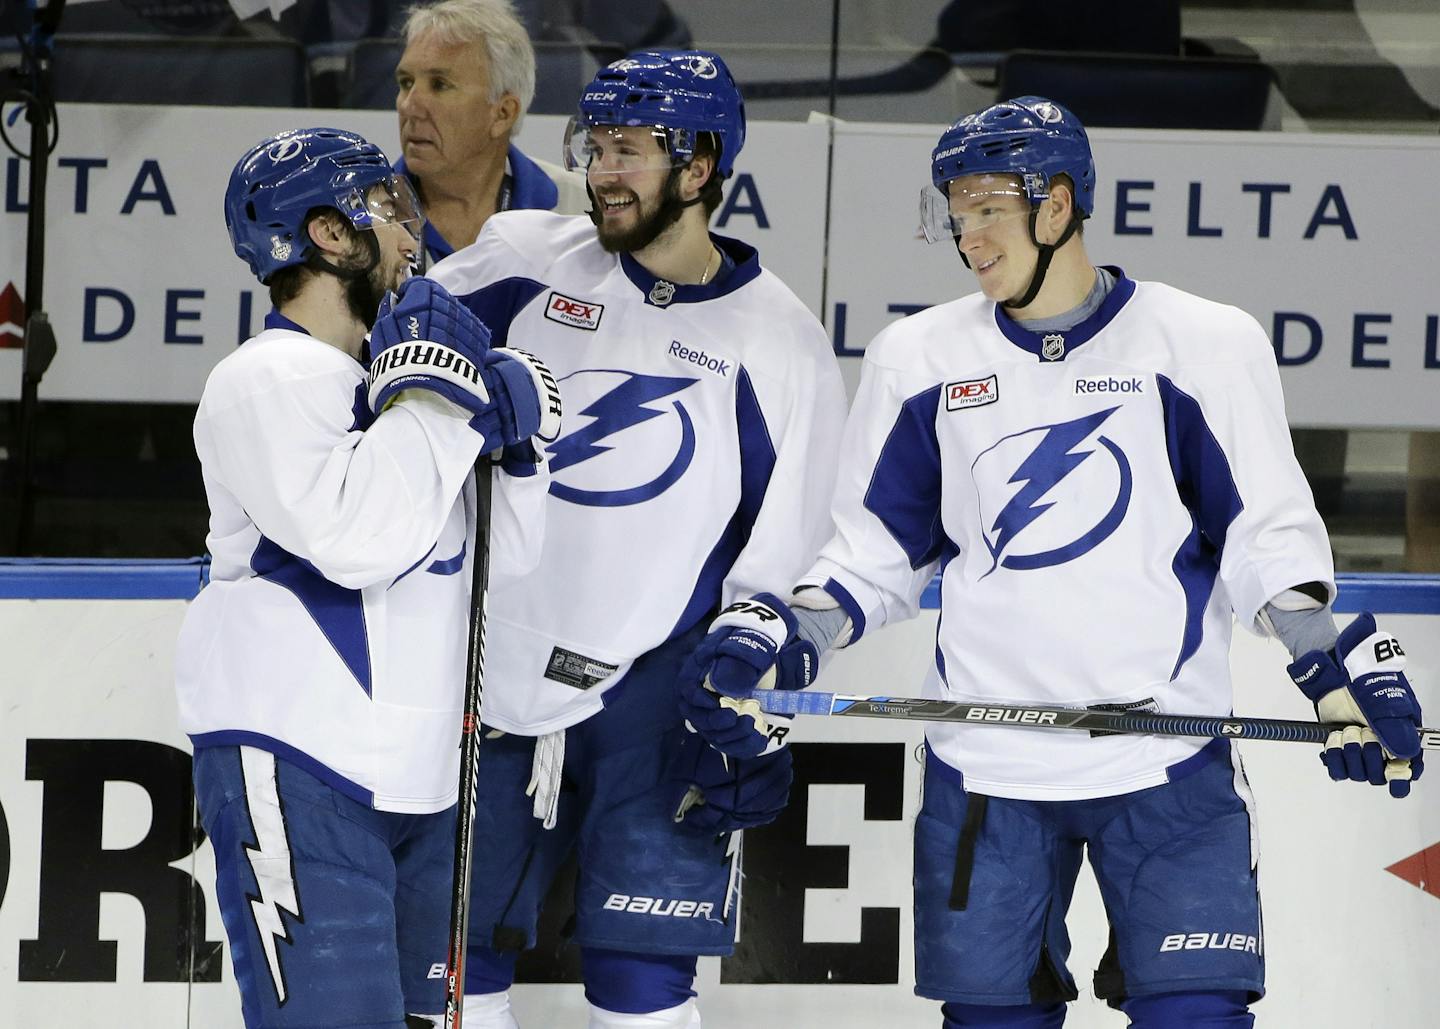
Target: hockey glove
753,644
712,793
423,338
1362,683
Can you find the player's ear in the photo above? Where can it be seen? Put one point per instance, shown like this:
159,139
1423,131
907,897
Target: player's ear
1061,206
507,111
696,174
327,233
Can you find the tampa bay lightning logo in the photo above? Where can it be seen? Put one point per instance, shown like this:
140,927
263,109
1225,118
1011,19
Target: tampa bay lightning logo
285,150
1090,497
651,441
700,66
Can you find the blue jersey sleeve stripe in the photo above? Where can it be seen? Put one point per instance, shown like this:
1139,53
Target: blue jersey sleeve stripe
339,613
1201,470
904,491
757,451
498,303
757,466
849,605
1207,488
1196,565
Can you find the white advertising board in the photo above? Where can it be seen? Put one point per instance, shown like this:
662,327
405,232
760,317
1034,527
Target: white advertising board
1316,236
107,906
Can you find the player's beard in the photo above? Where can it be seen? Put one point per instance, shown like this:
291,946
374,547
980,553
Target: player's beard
648,227
367,279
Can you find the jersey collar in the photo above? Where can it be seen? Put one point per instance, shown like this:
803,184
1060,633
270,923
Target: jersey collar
664,293
1058,345
276,320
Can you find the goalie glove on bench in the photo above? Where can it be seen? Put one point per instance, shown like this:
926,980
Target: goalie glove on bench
1362,684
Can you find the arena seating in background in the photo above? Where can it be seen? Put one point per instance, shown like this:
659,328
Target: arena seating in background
239,72
1143,91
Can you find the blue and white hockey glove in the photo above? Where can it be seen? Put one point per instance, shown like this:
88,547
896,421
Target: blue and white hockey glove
753,644
423,338
713,793
1362,683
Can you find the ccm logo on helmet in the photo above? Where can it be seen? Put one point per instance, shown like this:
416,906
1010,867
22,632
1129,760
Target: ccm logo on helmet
578,314
960,395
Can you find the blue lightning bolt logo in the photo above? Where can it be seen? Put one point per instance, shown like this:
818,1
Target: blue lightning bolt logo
622,408
1053,458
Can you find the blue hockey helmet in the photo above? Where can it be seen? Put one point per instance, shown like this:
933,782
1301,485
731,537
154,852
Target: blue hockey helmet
1029,136
282,179
684,92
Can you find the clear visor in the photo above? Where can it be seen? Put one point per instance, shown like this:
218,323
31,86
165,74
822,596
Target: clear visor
624,149
973,204
390,201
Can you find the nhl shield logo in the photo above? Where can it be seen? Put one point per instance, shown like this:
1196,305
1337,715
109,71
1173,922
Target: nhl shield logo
1052,347
662,292
280,248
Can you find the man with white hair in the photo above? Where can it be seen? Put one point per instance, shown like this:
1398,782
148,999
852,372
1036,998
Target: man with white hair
464,83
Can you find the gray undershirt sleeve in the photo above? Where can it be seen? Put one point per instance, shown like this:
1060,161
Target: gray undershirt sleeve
820,628
1304,631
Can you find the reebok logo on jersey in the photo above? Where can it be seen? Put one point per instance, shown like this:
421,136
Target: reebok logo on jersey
1108,384
578,314
699,358
960,395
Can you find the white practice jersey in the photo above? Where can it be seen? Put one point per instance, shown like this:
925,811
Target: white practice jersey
1099,502
695,463
333,628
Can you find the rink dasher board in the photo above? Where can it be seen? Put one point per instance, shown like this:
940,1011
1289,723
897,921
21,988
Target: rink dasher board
94,775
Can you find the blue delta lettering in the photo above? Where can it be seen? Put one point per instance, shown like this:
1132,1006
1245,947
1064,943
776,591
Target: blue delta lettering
1329,211
147,185
110,315
1106,384
1298,339
698,357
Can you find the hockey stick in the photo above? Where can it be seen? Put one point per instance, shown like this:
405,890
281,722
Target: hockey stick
469,750
812,702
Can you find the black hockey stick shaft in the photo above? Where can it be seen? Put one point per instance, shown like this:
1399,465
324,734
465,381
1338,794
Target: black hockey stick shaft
470,735
814,702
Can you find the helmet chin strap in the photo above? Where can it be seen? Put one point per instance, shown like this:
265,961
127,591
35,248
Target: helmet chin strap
1042,264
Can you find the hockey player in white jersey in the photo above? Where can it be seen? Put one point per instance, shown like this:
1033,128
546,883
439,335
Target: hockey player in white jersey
320,671
1100,470
695,465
